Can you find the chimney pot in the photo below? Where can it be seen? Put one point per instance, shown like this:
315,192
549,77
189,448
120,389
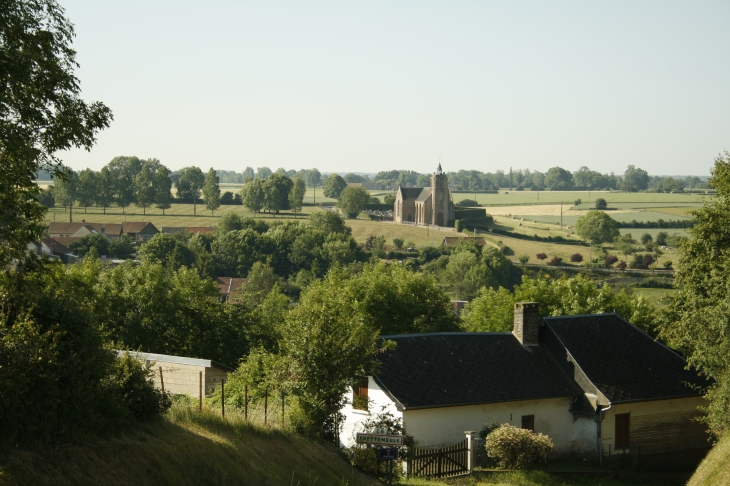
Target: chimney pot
527,323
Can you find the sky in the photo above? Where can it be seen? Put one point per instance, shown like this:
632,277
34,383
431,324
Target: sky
381,85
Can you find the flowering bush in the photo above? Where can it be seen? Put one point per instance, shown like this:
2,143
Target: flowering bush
515,448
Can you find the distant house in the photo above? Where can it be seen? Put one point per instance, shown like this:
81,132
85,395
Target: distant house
53,249
171,230
139,230
66,240
188,376
455,240
229,287
595,384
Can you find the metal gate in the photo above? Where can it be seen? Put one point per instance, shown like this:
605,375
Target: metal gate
440,462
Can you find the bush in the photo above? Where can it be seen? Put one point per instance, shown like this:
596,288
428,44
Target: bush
132,382
541,256
668,264
645,238
467,203
398,242
556,261
601,203
515,448
577,202
576,258
661,238
621,265
459,225
506,250
610,260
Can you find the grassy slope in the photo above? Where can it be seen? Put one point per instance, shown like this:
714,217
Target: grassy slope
715,468
186,449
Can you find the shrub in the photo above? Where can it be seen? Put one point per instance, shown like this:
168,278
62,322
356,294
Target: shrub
398,242
621,265
556,261
576,258
577,202
610,260
601,203
515,448
541,256
468,203
668,264
647,260
645,238
459,224
661,238
506,250
524,258
132,381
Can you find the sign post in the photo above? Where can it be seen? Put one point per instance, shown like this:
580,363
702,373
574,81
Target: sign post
380,437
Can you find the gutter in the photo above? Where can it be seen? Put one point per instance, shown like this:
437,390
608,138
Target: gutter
600,415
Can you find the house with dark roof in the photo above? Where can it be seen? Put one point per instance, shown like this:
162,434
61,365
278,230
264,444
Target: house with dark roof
455,240
139,230
595,384
229,287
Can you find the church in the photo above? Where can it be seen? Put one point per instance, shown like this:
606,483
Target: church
425,205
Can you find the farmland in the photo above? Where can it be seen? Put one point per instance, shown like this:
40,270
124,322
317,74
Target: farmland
516,212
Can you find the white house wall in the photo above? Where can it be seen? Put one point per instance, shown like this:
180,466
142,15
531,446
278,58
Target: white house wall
446,425
379,403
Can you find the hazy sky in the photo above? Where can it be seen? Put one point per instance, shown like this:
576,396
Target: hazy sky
369,86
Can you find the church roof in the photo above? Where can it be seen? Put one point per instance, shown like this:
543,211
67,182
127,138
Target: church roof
425,193
410,193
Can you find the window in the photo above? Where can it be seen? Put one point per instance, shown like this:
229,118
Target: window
528,422
360,394
622,431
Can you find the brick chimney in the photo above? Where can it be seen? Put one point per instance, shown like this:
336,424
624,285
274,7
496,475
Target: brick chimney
527,323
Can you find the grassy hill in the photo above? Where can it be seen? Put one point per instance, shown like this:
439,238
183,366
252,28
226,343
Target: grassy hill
186,448
715,468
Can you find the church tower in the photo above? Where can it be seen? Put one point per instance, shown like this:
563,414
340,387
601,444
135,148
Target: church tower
442,206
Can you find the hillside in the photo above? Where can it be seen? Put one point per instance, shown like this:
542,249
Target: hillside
186,449
715,468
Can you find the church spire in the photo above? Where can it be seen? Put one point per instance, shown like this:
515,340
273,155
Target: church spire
439,171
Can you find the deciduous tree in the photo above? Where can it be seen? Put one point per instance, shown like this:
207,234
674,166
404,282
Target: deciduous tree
189,185
353,200
333,186
212,191
597,227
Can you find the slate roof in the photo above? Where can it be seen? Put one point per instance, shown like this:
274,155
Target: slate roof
66,240
410,193
623,363
56,246
135,227
448,369
425,194
62,228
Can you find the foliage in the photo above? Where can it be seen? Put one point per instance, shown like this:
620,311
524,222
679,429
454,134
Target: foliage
162,185
516,448
333,186
661,238
558,179
576,258
329,222
524,258
352,200
494,310
556,261
57,377
389,199
211,191
253,195
133,384
696,319
189,185
121,248
622,265
147,307
276,190
364,456
597,227
541,256
491,311
42,113
601,204
168,250
316,376
635,179
144,188
610,260
93,240
296,196
398,242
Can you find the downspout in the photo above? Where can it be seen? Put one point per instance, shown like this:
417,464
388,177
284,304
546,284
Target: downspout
599,419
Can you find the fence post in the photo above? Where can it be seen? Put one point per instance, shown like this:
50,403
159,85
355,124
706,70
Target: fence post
162,381
200,393
471,454
223,398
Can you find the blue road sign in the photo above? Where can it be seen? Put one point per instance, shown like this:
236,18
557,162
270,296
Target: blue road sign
388,453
